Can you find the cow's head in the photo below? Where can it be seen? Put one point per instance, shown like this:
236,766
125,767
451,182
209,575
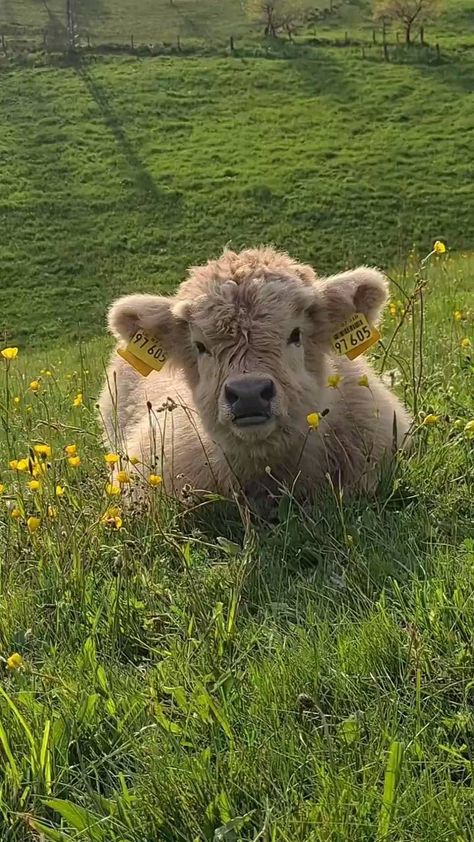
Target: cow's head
252,332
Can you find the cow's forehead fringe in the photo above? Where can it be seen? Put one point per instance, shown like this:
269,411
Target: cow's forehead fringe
262,264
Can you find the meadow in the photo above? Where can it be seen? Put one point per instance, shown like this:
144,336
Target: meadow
190,673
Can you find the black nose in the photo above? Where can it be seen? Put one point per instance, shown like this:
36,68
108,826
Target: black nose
249,398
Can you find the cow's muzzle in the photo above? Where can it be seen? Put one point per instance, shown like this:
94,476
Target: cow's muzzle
249,398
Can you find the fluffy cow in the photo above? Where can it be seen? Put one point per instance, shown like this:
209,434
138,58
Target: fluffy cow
248,339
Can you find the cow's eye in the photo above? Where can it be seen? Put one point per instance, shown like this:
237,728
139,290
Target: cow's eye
201,348
295,337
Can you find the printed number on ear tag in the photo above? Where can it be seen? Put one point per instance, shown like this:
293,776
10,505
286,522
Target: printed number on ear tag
354,336
145,353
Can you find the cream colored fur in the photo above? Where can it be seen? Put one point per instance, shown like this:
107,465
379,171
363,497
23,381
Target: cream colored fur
243,309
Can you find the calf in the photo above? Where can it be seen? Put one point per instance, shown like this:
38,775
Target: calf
253,343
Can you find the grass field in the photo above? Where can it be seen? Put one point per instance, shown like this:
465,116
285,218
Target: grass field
192,676
177,675
119,174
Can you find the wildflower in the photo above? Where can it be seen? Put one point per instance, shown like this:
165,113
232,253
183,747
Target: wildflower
15,661
439,247
457,315
35,386
48,373
71,449
60,491
458,424
42,449
9,353
134,460
52,512
313,420
393,309
363,381
111,458
155,480
112,490
429,420
18,464
465,343
469,429
77,400
33,524
33,485
38,468
123,477
112,518
15,513
334,380
2,488
16,400
74,461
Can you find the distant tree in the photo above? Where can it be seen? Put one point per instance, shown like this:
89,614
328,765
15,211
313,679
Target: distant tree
277,15
408,13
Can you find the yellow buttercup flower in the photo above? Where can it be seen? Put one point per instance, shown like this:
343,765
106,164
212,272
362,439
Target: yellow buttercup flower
78,399
363,381
42,449
457,315
52,512
14,661
71,449
393,309
112,518
123,477
465,343
313,420
469,429
19,464
9,353
439,247
60,490
39,468
35,386
334,380
16,400
429,420
74,461
112,490
15,513
134,460
33,485
2,488
33,523
155,480
111,458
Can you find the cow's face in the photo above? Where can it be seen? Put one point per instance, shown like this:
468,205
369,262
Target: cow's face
253,338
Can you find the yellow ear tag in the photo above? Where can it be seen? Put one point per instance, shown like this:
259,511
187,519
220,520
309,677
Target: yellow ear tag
144,353
354,336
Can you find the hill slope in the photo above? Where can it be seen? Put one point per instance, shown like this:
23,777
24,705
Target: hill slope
116,175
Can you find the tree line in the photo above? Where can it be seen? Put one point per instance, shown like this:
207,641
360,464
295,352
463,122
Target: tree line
288,16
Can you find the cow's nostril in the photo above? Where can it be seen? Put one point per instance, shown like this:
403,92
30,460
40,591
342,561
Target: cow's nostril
268,390
231,395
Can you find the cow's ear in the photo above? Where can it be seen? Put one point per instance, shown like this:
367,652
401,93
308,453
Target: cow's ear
156,315
335,299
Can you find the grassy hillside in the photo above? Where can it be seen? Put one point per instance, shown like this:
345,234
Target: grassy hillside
301,683
117,175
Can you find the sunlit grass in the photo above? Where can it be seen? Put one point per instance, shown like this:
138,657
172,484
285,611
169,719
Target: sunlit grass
167,673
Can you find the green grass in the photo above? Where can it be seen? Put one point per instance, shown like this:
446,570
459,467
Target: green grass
119,174
307,682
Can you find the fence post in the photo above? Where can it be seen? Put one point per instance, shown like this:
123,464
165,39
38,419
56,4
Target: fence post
4,43
385,51
422,34
438,51
132,42
374,36
231,43
179,43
